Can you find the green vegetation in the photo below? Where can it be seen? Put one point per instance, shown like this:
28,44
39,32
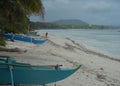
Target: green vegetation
14,14
66,24
2,41
71,22
47,25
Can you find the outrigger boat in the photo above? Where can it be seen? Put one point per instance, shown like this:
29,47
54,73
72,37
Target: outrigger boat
15,73
24,38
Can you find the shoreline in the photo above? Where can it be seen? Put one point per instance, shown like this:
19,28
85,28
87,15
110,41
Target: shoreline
106,42
92,51
96,70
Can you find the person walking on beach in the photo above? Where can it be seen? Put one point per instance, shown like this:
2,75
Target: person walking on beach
46,34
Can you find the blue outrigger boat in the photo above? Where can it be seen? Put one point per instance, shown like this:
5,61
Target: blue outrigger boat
14,73
24,38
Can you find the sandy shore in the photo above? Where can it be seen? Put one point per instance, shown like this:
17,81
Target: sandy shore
96,70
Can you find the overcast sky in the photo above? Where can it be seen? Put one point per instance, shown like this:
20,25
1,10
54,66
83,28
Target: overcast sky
102,12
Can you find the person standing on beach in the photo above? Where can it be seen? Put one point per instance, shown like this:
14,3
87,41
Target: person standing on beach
46,34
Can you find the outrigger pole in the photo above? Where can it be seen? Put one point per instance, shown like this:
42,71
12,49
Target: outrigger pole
11,71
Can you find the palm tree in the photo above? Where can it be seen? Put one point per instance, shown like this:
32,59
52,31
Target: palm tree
14,14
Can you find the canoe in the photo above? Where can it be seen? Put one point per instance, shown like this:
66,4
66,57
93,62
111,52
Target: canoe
24,38
13,72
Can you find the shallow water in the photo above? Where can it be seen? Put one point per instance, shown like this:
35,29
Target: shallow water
106,41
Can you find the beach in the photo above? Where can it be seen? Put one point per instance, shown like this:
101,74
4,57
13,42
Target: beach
97,69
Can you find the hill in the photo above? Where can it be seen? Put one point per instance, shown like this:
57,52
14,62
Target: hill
71,22
66,24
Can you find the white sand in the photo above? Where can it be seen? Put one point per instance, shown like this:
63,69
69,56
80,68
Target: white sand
96,70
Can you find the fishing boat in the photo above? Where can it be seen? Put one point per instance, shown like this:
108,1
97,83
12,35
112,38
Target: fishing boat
24,38
13,72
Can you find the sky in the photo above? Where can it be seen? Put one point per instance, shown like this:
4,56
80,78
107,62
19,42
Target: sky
100,12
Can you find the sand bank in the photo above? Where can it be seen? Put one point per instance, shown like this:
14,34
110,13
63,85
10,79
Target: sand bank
96,70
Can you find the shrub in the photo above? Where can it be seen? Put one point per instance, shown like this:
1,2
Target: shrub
2,41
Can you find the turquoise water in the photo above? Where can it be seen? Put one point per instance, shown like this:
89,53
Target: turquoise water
102,41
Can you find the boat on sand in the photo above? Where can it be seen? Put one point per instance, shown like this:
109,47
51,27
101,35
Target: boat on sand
24,38
13,72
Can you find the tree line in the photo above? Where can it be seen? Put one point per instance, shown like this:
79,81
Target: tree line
49,25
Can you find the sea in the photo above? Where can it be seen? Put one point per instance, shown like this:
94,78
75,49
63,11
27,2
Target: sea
104,41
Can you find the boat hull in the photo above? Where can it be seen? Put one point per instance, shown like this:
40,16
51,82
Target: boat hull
35,75
24,38
12,72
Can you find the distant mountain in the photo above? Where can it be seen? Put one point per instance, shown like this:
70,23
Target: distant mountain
70,22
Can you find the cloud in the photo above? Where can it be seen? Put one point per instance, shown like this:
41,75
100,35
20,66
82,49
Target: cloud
77,5
51,4
96,6
91,11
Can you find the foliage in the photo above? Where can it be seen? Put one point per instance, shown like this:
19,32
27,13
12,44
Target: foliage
2,41
14,14
48,25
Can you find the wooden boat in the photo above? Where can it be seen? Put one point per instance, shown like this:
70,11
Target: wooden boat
13,72
24,38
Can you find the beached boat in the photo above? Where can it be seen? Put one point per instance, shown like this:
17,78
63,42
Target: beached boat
12,72
24,38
